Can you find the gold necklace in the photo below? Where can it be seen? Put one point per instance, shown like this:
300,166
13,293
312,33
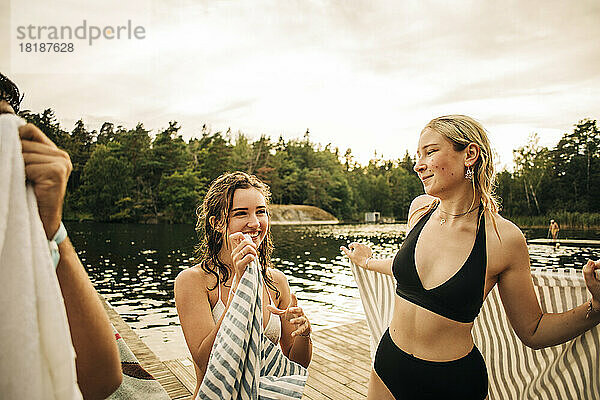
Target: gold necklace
455,216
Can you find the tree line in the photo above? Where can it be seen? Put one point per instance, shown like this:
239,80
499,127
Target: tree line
562,182
122,174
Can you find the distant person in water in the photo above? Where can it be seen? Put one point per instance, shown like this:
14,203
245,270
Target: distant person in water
553,230
235,226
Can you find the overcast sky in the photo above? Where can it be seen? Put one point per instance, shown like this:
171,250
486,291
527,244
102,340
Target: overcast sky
361,75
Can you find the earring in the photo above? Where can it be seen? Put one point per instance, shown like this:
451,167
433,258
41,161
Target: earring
469,173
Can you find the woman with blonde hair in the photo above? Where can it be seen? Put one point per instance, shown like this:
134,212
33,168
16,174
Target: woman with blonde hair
457,249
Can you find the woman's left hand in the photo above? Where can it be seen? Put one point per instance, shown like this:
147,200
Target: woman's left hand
591,274
295,315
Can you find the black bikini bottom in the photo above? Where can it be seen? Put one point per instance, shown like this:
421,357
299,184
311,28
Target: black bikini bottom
409,377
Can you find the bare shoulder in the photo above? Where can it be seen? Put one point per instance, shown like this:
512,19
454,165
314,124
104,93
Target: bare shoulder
418,208
194,278
420,202
506,243
282,285
510,234
279,278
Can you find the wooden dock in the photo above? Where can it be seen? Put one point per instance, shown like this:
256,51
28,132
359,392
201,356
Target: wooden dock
341,363
147,359
339,369
340,366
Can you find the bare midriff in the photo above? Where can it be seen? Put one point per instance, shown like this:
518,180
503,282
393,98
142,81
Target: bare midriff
429,336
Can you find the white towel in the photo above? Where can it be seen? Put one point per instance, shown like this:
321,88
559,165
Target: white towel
37,360
243,363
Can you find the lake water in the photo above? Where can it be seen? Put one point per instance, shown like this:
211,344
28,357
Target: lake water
134,266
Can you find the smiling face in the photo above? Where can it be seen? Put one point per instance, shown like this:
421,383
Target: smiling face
249,214
440,167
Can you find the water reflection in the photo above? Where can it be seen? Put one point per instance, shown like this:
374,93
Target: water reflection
134,267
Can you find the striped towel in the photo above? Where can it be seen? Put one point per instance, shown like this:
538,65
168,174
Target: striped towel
243,363
377,297
567,371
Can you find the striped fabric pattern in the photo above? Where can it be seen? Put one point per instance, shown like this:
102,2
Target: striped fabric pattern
243,363
377,297
567,371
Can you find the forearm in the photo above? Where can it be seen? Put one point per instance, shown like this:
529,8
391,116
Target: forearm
97,357
202,353
383,266
301,350
557,328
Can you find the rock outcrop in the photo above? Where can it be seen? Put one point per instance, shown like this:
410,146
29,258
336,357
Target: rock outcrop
300,214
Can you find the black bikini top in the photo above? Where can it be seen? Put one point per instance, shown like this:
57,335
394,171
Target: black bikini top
460,297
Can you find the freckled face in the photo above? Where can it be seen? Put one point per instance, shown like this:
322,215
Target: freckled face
439,166
249,214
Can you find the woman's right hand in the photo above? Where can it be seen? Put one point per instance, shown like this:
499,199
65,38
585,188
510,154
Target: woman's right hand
48,169
243,253
358,253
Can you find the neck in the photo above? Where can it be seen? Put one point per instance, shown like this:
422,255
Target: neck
460,203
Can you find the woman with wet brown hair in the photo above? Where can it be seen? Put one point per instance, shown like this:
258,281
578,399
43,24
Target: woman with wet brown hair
235,227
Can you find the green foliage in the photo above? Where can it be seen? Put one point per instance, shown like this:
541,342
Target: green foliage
559,183
387,187
107,180
570,220
179,194
122,174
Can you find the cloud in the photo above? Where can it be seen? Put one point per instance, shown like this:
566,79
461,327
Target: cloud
365,75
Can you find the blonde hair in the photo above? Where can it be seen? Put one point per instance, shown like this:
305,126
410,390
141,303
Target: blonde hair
461,131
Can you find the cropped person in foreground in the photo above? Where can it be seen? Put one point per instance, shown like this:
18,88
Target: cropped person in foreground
457,249
47,169
235,226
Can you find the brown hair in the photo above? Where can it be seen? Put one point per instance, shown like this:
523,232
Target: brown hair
9,92
217,203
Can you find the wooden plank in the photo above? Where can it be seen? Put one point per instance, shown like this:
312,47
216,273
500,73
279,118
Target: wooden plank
339,370
331,388
352,374
184,370
339,350
147,359
310,393
341,363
